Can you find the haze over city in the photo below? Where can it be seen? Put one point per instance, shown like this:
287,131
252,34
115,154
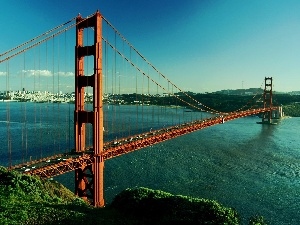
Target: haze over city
202,46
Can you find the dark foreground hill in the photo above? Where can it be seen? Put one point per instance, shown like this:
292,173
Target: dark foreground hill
29,200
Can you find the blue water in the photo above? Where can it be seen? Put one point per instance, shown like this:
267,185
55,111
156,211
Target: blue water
250,167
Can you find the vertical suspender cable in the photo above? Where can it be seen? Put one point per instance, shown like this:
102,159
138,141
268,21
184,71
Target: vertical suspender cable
25,118
40,110
115,85
148,96
143,103
48,101
112,92
122,127
105,86
137,102
168,99
153,106
8,115
158,105
22,112
127,79
35,99
172,110
131,125
68,134
56,55
176,109
164,106
69,124
53,111
58,95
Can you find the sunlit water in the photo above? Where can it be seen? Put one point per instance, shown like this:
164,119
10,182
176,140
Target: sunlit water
250,167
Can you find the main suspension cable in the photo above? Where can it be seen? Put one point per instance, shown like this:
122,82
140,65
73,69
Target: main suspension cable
37,37
155,69
142,72
39,42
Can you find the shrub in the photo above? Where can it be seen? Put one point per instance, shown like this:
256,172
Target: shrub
163,206
257,220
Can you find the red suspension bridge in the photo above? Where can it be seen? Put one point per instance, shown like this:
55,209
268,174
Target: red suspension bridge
35,70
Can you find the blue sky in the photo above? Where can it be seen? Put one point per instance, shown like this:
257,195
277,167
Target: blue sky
200,45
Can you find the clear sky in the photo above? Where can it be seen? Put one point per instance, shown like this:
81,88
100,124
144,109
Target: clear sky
201,45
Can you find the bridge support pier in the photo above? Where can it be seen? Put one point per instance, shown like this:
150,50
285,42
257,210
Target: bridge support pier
89,179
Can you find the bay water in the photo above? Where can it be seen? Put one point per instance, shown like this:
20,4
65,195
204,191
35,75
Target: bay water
251,167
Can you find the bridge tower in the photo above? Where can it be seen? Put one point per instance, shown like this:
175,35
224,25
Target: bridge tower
268,95
89,179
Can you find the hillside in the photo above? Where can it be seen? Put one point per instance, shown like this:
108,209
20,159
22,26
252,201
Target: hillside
29,200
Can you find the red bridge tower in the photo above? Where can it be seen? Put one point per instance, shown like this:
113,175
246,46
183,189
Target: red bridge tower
268,102
89,179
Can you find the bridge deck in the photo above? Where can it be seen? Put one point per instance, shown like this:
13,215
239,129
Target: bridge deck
63,163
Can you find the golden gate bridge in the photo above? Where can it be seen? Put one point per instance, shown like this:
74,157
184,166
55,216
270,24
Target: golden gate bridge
42,65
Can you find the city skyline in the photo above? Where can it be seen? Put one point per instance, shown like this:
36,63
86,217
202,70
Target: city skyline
201,46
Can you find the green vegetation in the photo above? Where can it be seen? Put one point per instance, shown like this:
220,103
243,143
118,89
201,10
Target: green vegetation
158,207
290,104
218,101
29,200
292,110
257,220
